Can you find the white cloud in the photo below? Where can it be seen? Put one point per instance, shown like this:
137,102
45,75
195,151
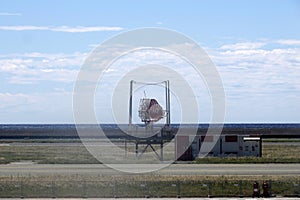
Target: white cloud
23,28
10,14
243,45
55,107
8,100
93,46
261,83
32,76
68,29
256,73
35,67
80,29
289,42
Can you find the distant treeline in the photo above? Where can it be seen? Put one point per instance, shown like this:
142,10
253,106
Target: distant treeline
69,131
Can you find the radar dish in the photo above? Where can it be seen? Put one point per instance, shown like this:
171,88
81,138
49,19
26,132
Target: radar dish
150,110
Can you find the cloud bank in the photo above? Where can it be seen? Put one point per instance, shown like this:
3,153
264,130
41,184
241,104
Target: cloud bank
68,29
261,79
31,68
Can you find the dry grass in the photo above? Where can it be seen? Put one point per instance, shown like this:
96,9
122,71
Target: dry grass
46,154
281,151
136,185
78,154
141,186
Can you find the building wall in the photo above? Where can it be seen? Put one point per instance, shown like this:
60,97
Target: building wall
223,146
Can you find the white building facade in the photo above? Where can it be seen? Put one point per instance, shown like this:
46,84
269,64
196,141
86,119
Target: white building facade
223,146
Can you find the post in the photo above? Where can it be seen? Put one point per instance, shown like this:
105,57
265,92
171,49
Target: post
148,190
270,187
136,149
220,150
298,189
178,189
84,189
21,190
115,189
125,143
241,188
209,190
222,188
53,189
161,150
256,190
130,103
167,85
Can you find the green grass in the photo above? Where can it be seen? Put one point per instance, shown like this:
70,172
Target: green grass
142,185
281,140
270,154
7,141
243,160
46,154
139,185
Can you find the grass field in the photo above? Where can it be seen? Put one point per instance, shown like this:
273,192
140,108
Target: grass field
142,185
271,153
62,153
46,154
138,185
265,140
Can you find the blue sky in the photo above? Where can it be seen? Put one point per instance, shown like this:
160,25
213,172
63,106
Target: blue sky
254,44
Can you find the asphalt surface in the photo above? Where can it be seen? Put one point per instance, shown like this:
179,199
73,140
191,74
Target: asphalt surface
174,169
277,198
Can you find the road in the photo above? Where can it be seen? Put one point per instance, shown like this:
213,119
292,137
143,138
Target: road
175,169
201,198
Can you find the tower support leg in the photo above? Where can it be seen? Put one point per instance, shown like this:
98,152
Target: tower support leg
137,150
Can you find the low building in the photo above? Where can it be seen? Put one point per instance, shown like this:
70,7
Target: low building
189,147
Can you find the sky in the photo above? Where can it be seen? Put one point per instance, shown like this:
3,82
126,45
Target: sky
254,44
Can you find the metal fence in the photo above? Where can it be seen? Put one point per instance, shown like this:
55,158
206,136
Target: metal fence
114,189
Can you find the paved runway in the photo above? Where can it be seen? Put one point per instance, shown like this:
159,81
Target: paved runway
201,198
175,169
